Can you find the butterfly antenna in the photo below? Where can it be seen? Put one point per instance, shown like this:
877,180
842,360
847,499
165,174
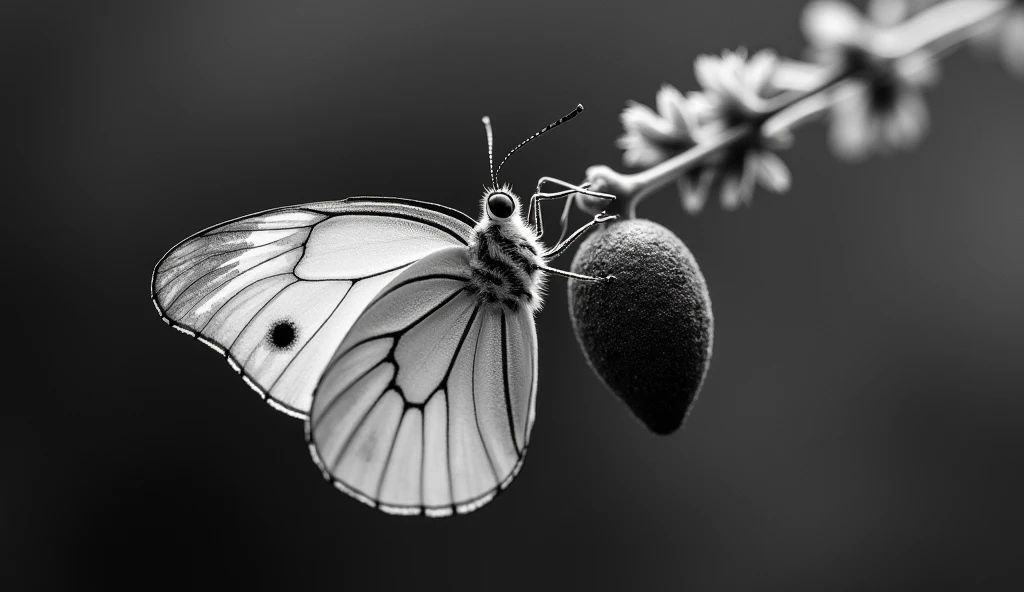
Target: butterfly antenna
546,128
490,150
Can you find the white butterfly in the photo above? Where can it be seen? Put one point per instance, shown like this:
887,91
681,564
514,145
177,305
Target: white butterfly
401,331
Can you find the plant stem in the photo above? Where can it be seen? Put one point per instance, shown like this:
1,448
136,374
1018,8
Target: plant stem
938,29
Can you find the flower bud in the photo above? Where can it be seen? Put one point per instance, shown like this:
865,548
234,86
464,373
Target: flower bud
648,332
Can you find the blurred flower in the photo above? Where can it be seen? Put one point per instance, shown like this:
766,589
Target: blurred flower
734,91
733,95
884,112
651,137
733,177
1006,36
734,85
881,106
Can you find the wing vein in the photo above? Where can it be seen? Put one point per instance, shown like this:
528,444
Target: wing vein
228,301
396,334
504,375
445,229
421,205
476,416
257,313
249,322
222,284
448,407
448,446
417,279
187,265
311,338
316,425
387,459
215,233
215,270
355,430
423,451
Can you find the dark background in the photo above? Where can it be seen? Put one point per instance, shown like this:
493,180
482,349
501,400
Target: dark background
862,425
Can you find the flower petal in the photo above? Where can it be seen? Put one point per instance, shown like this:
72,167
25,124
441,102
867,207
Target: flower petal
703,106
919,68
736,181
640,151
748,177
909,120
828,23
779,139
894,135
707,68
851,134
729,191
643,120
759,70
672,106
772,172
732,81
1013,42
694,187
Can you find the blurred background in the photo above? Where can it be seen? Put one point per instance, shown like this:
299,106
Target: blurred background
862,425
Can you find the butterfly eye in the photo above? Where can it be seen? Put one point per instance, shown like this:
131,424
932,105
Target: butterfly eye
500,205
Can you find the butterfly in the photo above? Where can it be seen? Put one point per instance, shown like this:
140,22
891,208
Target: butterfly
401,331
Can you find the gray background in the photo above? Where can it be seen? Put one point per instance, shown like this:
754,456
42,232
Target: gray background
861,426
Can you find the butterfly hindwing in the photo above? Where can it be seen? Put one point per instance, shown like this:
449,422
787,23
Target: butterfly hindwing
276,292
427,405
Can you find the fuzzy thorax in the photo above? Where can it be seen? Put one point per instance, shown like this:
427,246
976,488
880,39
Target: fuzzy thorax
505,260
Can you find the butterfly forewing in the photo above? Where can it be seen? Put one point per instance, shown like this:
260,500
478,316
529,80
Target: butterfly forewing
276,292
427,405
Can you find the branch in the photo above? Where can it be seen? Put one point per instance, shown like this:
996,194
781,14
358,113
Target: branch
939,30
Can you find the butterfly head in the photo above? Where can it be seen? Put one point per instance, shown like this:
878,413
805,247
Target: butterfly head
500,204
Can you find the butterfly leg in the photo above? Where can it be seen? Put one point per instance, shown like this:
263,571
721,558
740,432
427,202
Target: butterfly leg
538,224
570,189
533,212
574,276
559,248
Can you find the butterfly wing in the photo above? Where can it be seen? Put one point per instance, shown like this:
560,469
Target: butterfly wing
276,292
428,404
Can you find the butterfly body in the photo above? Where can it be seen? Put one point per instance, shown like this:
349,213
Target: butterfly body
505,257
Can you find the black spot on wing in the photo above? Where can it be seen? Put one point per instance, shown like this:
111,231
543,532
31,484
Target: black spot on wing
283,334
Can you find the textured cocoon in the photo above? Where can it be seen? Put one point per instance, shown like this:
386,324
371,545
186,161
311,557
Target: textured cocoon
647,333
